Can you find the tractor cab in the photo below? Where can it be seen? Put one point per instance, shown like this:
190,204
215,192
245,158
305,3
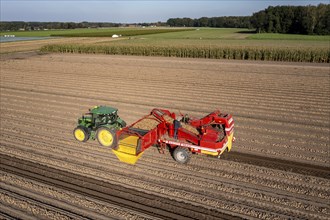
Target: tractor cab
99,115
103,115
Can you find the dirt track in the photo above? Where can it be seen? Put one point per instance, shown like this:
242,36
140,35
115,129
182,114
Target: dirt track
281,112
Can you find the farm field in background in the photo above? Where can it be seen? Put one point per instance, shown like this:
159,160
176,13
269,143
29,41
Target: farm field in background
210,43
216,43
92,32
48,33
35,45
189,36
292,37
227,37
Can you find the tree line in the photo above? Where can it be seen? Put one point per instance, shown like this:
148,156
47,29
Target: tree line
21,25
280,19
293,19
218,22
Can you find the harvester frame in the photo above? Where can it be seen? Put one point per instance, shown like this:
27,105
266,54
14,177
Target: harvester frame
211,135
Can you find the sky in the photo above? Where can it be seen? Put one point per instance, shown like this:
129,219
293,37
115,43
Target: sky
133,11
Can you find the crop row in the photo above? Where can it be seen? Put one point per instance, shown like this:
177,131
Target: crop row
237,53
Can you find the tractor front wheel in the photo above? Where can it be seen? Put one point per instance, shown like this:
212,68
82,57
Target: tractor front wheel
81,133
181,155
106,137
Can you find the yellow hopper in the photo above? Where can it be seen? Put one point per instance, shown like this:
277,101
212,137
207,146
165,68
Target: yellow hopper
230,141
127,149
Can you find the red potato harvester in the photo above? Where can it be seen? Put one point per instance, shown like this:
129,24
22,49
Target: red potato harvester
183,136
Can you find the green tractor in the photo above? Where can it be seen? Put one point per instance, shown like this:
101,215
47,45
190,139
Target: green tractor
101,123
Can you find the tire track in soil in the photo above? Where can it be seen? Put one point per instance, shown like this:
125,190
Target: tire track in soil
44,207
279,164
51,144
11,213
237,203
139,201
119,166
60,197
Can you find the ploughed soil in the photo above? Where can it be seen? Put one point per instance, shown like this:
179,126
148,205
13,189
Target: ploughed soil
33,45
278,167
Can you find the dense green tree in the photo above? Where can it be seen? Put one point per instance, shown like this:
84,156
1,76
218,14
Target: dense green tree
17,25
221,22
322,19
293,19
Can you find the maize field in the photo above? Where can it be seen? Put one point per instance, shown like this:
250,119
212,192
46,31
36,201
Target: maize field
237,53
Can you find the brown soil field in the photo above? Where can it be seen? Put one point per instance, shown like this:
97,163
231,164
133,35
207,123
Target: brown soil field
22,46
278,167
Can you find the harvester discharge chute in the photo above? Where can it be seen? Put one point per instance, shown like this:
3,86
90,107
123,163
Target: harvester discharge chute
127,150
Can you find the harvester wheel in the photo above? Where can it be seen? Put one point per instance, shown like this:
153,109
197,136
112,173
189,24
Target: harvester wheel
106,137
81,133
181,155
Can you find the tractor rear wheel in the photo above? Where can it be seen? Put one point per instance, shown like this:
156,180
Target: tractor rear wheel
181,155
81,133
106,137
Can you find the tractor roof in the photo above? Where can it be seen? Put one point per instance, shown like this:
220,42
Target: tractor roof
103,110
